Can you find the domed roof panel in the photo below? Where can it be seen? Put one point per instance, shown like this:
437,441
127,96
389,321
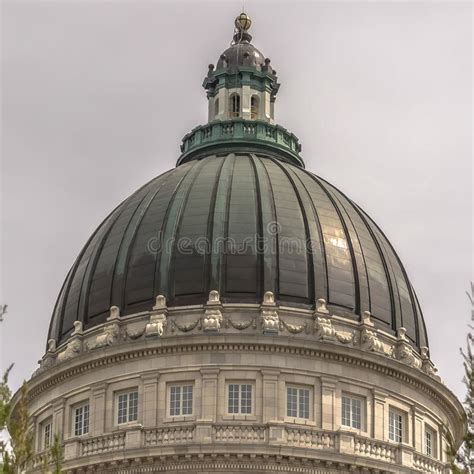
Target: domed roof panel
243,224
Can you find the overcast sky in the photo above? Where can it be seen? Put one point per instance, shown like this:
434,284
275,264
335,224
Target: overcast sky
97,95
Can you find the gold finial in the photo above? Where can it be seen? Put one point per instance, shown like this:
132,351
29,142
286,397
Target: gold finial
243,22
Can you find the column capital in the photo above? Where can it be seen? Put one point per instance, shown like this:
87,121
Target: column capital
379,395
270,374
209,372
150,377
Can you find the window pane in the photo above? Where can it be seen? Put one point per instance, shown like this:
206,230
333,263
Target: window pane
122,408
246,398
187,400
396,426
81,420
233,398
429,442
47,436
346,411
175,401
133,406
291,402
85,429
303,403
356,413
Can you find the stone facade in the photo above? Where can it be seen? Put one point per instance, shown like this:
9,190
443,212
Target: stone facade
214,348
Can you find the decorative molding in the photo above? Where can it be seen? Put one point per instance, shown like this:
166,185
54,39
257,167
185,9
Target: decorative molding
269,318
158,319
212,318
110,334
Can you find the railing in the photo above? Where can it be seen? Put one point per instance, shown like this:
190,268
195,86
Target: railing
103,444
310,438
240,131
375,449
41,459
426,464
240,433
291,436
169,435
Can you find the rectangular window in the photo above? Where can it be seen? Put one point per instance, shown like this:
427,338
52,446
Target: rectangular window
240,398
127,404
297,402
181,400
81,420
351,412
430,442
396,425
47,434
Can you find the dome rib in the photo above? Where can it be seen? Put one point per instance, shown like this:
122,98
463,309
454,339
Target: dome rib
309,254
170,223
355,274
316,236
266,209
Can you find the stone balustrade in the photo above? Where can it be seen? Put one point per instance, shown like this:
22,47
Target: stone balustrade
375,449
169,435
306,437
102,444
427,464
41,459
240,433
310,438
239,131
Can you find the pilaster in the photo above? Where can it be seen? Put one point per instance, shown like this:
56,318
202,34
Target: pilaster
380,415
209,394
98,409
328,403
150,400
270,390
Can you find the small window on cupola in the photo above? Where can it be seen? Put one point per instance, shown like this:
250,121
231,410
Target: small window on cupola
216,107
254,107
235,105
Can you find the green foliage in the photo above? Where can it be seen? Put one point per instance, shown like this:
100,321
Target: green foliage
5,397
462,459
21,433
56,451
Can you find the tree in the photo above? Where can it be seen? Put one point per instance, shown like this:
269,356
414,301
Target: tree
462,460
18,427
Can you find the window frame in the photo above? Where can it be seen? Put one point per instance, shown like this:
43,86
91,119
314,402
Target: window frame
169,393
299,388
362,414
48,423
254,108
234,103
85,429
433,451
240,384
403,425
128,393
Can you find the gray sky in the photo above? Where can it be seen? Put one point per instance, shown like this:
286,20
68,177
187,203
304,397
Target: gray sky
97,95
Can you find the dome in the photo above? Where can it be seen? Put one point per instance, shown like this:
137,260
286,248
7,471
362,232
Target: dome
243,224
241,55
